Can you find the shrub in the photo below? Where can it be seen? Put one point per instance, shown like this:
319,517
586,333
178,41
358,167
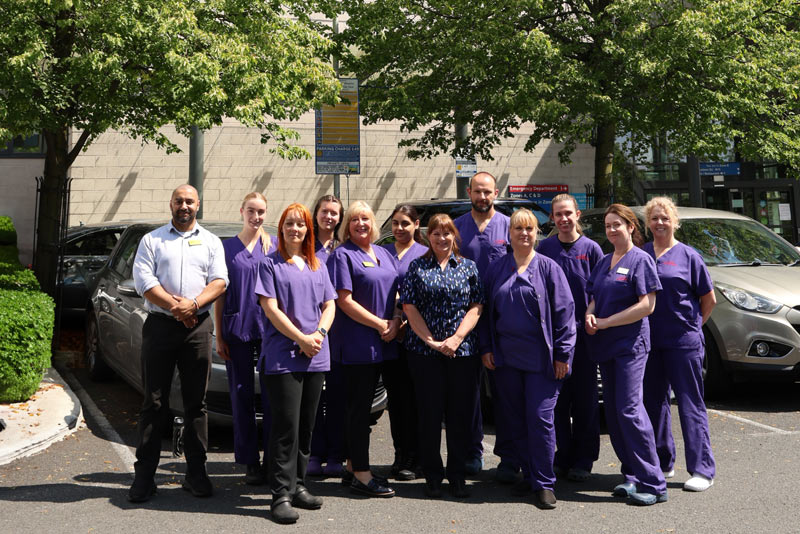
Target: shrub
26,331
8,234
26,323
12,274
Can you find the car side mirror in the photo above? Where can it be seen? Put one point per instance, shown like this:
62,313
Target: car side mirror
127,288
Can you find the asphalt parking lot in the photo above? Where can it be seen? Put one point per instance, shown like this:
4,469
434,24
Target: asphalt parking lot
80,484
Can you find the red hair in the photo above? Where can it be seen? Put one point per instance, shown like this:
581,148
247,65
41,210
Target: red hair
307,248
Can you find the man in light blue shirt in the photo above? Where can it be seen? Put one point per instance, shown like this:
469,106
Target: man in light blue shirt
180,270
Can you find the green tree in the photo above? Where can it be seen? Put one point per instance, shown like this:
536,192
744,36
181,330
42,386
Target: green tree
137,65
581,71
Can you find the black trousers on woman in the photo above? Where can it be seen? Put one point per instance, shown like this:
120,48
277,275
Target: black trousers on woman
359,382
293,399
402,405
446,388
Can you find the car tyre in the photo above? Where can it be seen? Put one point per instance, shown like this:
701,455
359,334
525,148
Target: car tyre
98,368
716,379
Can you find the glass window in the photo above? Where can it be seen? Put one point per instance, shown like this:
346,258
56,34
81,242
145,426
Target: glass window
31,146
735,242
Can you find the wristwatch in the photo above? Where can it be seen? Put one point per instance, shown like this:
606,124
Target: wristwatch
322,331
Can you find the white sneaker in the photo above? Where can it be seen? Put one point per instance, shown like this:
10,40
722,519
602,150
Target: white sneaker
698,483
669,474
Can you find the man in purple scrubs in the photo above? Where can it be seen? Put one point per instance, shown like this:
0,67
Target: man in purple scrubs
484,238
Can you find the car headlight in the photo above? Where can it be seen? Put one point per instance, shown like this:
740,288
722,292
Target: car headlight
747,300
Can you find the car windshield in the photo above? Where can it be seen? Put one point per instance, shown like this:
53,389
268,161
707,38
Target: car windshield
735,242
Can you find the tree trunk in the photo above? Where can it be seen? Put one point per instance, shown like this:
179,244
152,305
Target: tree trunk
50,202
603,164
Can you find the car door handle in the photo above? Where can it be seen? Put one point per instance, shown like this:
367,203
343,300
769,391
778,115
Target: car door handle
118,301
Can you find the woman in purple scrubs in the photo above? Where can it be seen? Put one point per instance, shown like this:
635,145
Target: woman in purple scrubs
396,375
576,416
297,297
677,346
239,323
365,279
327,443
623,290
528,338
442,297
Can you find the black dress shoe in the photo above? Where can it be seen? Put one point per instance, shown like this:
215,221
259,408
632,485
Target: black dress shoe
254,475
198,485
458,489
305,500
546,499
348,477
282,512
372,489
141,490
433,488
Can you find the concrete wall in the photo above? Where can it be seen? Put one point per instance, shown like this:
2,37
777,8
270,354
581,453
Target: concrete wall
18,199
118,178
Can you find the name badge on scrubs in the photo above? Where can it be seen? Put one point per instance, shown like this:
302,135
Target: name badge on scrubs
194,242
367,264
622,270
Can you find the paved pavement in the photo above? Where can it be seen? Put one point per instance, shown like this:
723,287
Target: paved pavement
79,484
51,414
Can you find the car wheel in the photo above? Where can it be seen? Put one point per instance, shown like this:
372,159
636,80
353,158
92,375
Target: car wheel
716,379
98,368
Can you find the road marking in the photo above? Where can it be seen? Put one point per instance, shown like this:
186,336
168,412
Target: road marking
122,450
772,429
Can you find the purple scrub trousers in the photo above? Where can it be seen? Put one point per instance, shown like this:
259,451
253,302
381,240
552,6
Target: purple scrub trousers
682,369
241,379
530,400
628,424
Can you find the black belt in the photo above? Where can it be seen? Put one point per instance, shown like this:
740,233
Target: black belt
200,317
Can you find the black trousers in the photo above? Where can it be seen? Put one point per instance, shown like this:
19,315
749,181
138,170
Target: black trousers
446,388
293,399
359,381
166,344
402,404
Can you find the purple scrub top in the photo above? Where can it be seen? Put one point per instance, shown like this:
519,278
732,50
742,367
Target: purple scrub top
401,264
677,320
577,264
486,246
514,302
243,319
372,285
323,254
614,290
300,295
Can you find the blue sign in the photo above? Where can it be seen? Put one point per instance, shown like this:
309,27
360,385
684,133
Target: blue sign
708,168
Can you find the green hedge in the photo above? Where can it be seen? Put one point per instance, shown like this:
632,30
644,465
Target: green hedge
26,323
8,234
26,332
12,274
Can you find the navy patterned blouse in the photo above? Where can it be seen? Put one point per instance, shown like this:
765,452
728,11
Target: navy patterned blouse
442,297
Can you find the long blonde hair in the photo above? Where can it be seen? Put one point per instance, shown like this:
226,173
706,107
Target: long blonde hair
266,240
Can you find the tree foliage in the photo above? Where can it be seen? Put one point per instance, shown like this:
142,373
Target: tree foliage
580,71
137,65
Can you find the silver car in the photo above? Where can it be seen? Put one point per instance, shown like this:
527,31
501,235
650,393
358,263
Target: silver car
755,328
115,316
